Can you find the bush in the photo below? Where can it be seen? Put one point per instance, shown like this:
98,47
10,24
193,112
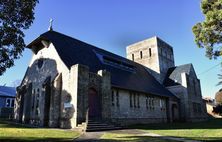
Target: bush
218,109
218,97
6,112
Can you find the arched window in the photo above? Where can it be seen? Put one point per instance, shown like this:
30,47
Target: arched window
141,54
40,63
133,57
150,52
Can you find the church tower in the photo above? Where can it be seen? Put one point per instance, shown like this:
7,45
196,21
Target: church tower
153,53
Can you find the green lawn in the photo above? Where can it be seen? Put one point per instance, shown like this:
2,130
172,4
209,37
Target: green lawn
210,131
17,133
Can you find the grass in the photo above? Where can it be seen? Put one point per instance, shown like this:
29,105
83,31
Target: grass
114,137
210,131
9,132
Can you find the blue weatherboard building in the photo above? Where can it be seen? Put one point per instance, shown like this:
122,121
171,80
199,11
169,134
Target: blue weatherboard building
7,100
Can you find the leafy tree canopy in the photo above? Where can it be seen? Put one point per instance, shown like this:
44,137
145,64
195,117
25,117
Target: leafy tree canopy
218,97
217,109
15,16
208,34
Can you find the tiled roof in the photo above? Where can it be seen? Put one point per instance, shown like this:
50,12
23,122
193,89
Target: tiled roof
173,76
73,51
7,91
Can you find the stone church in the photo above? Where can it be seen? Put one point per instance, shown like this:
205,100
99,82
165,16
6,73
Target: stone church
69,82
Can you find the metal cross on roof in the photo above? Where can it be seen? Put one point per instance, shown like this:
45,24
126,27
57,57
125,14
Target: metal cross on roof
50,25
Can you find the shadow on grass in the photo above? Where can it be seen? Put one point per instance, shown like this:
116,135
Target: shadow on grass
210,124
206,139
150,139
129,139
24,133
164,139
12,124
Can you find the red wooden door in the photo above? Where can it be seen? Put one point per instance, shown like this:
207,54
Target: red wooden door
94,104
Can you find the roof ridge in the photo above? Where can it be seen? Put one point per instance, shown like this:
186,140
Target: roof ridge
91,45
185,64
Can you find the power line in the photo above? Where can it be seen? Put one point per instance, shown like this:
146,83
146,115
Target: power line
209,69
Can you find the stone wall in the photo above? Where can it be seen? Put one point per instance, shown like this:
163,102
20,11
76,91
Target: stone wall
189,93
105,88
196,105
79,91
81,81
55,102
67,91
45,64
154,54
145,46
166,56
181,92
139,111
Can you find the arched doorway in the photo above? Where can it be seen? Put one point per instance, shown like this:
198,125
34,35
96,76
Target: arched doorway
175,112
94,104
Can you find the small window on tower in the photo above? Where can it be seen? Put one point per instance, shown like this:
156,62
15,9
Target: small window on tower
150,52
133,57
141,54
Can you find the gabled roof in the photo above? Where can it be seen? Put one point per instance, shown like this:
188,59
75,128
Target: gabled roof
173,76
125,74
7,91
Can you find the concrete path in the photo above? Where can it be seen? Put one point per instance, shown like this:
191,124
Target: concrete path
138,132
89,137
95,136
169,138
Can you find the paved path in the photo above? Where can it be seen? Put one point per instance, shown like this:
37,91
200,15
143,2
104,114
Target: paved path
95,136
142,133
169,138
89,137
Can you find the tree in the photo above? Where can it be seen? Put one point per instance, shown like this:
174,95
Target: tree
218,97
208,34
217,109
15,16
219,77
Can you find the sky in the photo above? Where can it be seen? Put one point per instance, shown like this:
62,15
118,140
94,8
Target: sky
114,24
